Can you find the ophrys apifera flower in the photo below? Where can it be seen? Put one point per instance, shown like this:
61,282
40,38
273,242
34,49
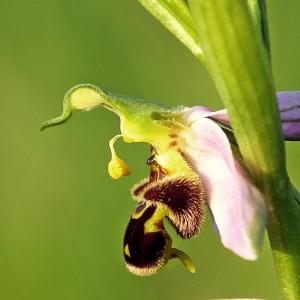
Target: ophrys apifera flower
195,165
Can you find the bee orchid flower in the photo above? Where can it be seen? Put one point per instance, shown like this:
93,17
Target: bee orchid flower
195,166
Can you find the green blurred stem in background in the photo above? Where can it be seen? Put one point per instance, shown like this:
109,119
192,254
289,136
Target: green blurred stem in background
234,46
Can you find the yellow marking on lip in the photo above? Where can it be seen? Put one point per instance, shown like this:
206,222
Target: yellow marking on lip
154,223
126,250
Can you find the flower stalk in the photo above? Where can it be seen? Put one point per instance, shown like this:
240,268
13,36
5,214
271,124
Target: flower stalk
239,64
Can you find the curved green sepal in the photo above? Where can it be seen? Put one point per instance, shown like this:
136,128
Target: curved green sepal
141,120
81,97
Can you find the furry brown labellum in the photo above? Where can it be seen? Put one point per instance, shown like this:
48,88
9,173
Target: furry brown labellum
182,195
184,198
179,198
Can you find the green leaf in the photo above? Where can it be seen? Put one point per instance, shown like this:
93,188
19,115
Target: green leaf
176,17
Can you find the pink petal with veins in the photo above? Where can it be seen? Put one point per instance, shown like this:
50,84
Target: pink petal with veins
237,205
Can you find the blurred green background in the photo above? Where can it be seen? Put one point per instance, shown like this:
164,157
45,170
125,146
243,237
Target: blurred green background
62,218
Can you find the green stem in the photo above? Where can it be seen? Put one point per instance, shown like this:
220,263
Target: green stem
176,17
239,63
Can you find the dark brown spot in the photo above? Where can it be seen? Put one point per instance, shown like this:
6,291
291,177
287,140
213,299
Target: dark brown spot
173,135
173,144
181,153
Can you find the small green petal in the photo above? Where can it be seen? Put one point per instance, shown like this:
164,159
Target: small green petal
184,258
